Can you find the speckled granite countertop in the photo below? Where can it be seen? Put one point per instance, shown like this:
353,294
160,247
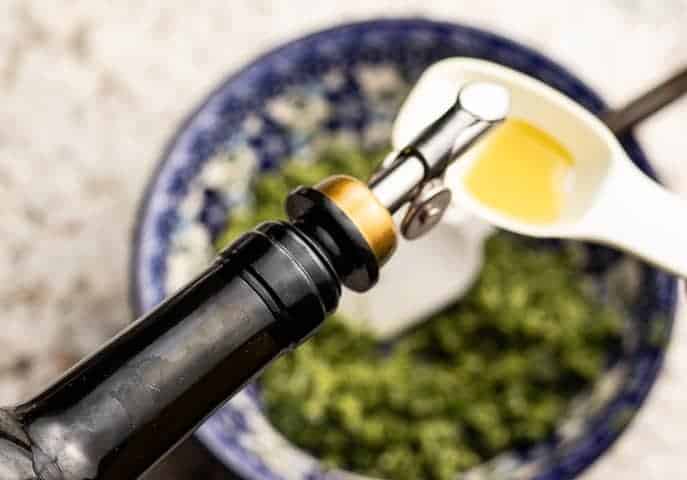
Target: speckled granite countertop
90,91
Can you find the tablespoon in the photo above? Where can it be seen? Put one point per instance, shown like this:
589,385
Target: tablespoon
608,200
441,275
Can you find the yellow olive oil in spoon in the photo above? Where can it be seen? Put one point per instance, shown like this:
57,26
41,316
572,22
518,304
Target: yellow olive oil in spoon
522,172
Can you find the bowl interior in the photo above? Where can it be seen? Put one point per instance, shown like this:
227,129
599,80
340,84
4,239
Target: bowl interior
346,84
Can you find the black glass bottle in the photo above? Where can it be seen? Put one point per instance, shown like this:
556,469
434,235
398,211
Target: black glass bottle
119,411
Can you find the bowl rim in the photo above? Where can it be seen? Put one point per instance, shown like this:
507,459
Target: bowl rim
151,186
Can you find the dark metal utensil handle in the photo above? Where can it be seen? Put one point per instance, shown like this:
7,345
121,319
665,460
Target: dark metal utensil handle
639,109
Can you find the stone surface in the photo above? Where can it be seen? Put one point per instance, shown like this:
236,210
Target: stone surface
90,91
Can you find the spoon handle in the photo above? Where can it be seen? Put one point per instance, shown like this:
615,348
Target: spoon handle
639,216
622,119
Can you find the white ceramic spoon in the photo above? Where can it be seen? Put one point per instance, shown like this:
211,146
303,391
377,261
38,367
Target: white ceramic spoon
609,200
446,262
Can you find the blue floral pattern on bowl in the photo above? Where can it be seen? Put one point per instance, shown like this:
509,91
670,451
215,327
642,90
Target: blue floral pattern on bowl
345,85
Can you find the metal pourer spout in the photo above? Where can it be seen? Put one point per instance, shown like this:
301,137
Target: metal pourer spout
414,174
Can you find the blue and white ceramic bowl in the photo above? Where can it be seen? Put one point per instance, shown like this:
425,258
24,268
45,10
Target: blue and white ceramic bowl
346,84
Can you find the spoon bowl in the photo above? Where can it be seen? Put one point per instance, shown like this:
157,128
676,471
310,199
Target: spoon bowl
607,198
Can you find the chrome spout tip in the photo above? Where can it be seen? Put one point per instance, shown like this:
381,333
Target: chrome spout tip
486,101
478,108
